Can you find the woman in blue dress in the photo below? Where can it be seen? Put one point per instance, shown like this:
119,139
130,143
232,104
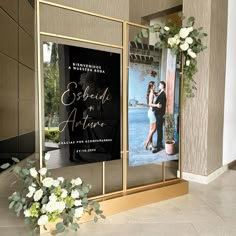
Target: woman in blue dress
151,96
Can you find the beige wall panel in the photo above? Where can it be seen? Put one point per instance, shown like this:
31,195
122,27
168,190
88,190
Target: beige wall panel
217,83
8,118
195,113
26,116
9,35
80,26
8,77
26,17
26,49
26,83
141,8
11,7
113,8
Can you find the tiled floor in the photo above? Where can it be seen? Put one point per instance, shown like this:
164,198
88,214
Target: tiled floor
207,210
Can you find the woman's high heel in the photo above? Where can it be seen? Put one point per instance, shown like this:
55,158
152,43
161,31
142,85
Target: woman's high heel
150,147
146,145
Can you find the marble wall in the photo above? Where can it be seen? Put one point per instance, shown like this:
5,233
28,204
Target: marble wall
17,79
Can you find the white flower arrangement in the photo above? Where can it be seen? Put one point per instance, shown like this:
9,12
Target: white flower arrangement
44,199
184,40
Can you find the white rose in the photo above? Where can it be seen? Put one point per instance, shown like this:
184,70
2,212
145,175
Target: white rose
33,184
56,183
183,33
51,206
47,182
64,193
27,213
38,194
33,172
47,156
187,63
171,41
166,28
78,181
189,40
43,171
184,46
61,206
52,198
43,220
31,191
190,29
193,55
61,179
177,39
74,194
77,203
189,51
78,212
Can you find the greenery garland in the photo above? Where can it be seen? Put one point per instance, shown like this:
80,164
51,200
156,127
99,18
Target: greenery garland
185,40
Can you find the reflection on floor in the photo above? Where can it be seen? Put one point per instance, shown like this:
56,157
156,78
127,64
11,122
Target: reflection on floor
208,210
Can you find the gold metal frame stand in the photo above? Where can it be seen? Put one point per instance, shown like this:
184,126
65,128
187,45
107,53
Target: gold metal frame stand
126,198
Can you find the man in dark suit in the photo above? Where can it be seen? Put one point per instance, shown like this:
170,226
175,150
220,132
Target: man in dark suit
159,113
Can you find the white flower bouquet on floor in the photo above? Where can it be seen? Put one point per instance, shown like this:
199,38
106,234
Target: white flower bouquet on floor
44,199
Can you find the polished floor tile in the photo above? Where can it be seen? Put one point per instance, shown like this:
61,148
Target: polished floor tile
208,210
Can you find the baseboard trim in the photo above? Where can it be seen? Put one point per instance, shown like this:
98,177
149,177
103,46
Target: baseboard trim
204,179
232,164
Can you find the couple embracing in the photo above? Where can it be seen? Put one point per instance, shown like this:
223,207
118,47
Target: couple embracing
156,111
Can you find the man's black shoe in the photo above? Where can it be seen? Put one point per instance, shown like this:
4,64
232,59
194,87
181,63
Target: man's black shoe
156,150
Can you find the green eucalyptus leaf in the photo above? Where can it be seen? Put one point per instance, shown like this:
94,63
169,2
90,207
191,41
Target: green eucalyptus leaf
25,171
81,193
191,20
15,159
96,206
152,29
145,33
85,200
5,166
181,15
95,219
11,205
103,217
74,226
18,207
16,169
60,227
18,213
27,221
201,36
16,197
85,189
44,200
139,40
